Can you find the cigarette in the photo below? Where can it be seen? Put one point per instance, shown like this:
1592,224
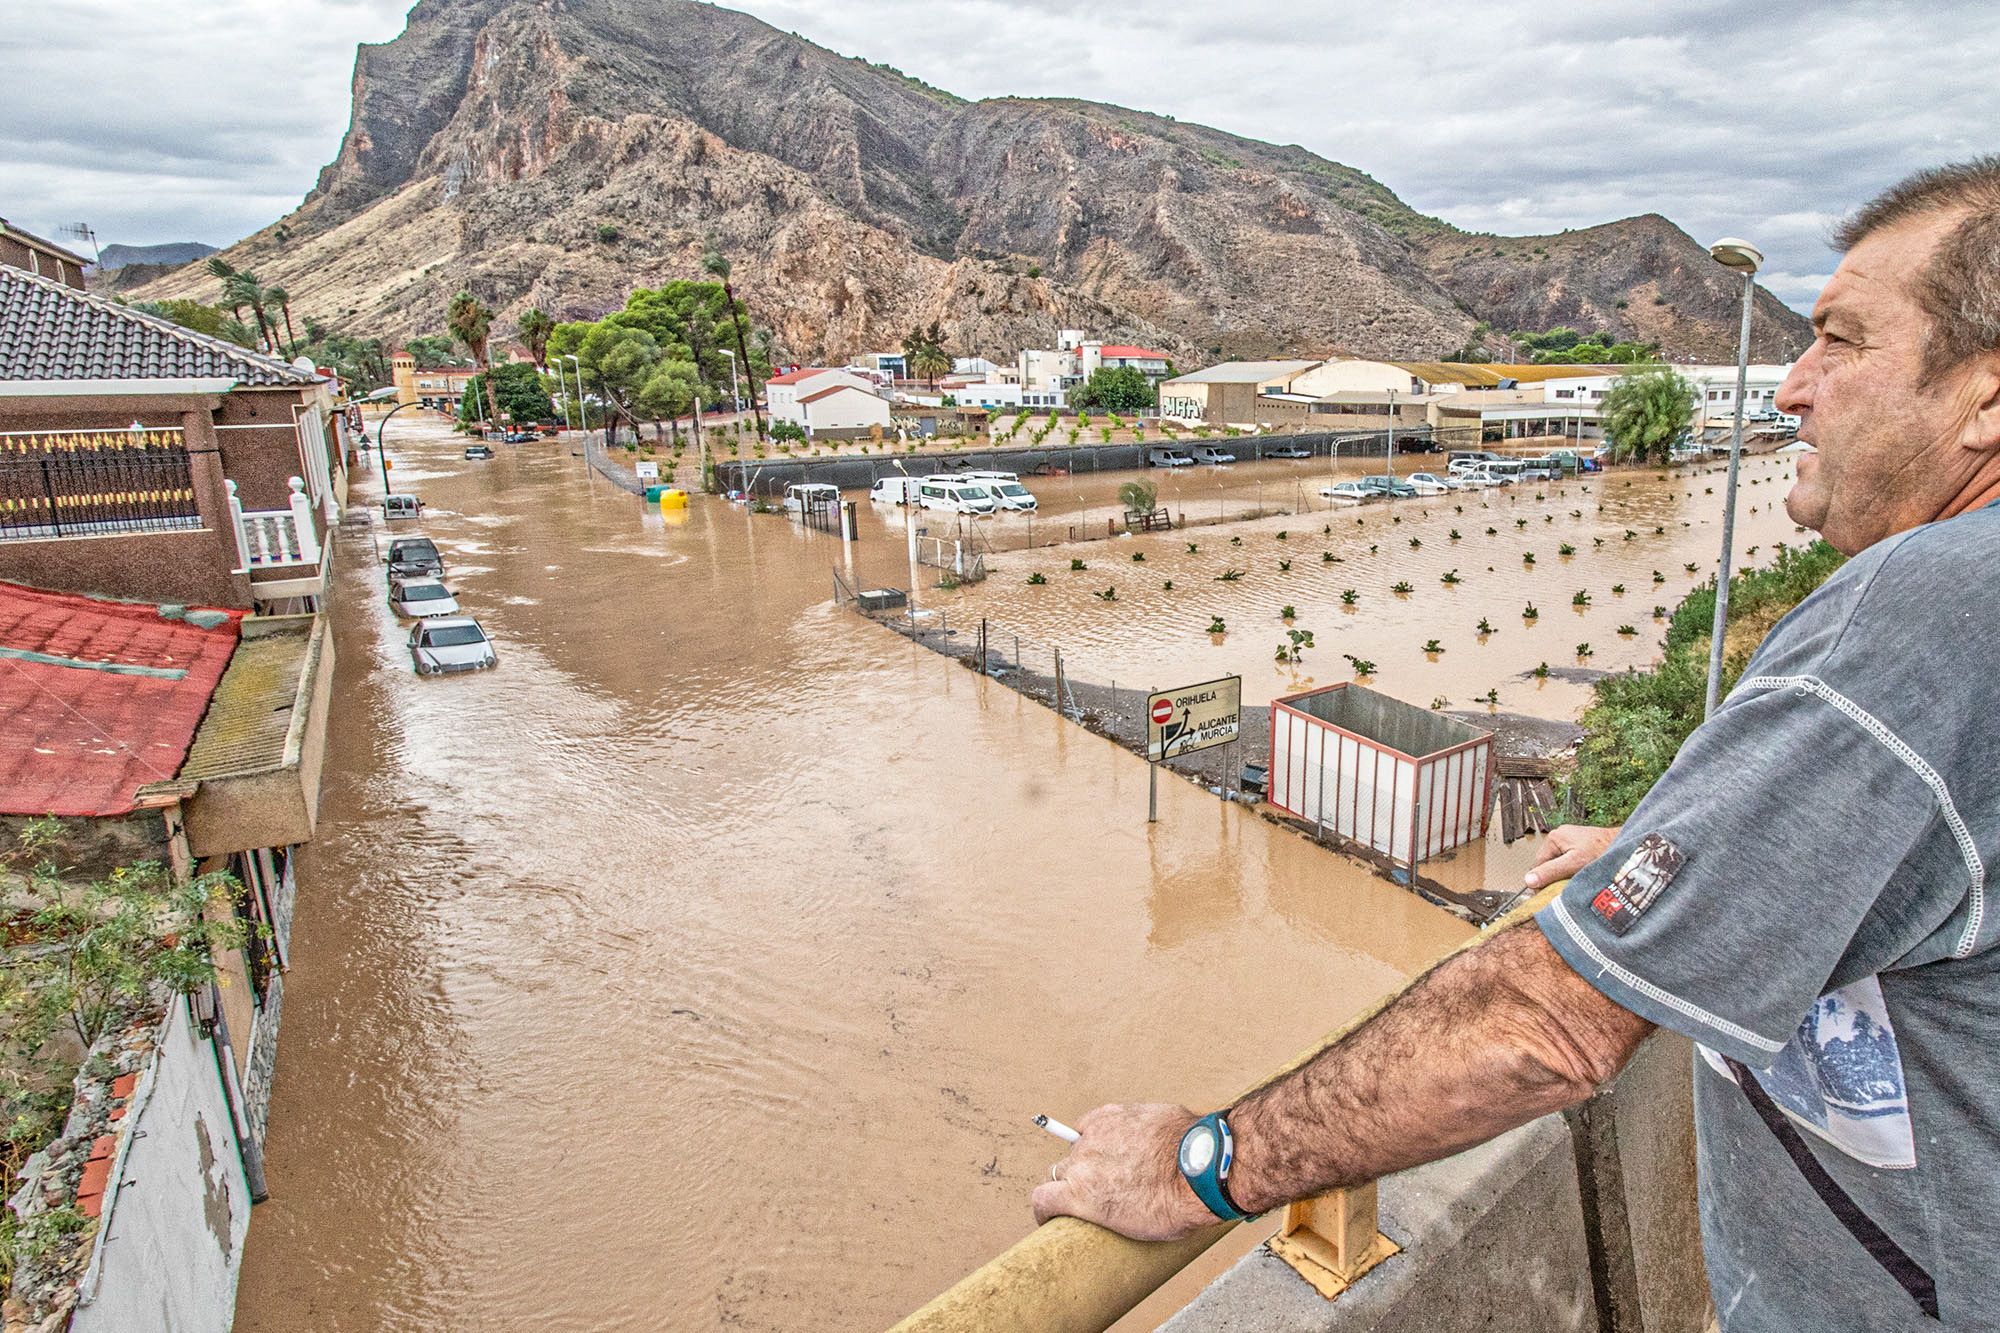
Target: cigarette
1057,1128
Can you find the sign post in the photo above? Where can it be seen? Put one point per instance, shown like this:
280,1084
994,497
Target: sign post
1186,720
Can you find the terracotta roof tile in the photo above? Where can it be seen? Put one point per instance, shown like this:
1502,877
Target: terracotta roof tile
98,699
96,1175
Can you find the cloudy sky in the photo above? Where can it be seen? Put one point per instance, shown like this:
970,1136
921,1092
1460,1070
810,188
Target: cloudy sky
165,120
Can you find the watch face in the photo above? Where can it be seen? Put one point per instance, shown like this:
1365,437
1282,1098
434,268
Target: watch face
1197,1150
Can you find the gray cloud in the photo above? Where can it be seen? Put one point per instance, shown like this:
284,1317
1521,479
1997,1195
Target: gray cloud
1768,121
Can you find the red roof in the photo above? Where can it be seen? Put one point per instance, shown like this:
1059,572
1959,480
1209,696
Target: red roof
97,699
837,388
1132,353
803,373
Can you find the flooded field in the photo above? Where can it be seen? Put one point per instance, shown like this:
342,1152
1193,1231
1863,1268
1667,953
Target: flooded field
1638,541
703,964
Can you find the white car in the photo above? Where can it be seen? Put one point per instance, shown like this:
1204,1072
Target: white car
450,644
421,598
1208,453
1349,492
1167,458
1428,484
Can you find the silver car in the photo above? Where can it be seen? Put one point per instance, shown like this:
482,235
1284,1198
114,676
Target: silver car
421,598
450,644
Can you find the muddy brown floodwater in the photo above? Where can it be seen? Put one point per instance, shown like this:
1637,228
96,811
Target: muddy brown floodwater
704,963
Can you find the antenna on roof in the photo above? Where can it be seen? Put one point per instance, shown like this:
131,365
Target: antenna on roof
81,231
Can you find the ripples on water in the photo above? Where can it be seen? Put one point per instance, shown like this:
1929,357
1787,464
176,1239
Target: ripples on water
703,963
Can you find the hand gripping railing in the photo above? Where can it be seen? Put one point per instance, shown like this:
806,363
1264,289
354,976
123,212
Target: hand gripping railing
1069,1276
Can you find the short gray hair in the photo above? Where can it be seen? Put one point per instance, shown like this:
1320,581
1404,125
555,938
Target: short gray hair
1960,288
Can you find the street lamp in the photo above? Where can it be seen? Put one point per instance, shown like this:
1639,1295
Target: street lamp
382,435
1741,257
1392,432
735,389
582,408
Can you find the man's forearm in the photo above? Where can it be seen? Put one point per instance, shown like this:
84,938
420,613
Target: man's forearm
1490,1039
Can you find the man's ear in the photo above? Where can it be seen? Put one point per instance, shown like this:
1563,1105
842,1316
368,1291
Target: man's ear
1981,432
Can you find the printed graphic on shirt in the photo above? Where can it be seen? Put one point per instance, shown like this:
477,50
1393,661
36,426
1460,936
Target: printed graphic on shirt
1841,1077
1646,872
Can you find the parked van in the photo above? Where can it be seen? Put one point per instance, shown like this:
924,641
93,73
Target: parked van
899,490
1457,456
955,495
802,496
1008,492
1165,456
1497,471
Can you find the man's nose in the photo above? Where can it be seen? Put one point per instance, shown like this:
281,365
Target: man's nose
1796,393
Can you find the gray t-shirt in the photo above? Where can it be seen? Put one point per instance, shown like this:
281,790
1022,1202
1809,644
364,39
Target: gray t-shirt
1805,891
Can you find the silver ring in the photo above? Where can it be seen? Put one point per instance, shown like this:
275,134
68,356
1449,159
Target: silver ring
1055,1171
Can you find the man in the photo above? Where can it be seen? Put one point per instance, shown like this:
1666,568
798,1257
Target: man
1804,893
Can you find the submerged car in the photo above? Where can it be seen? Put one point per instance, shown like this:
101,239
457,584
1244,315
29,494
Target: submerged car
1288,451
478,451
1350,493
421,598
1429,484
1393,487
414,557
1167,458
450,644
1208,453
520,437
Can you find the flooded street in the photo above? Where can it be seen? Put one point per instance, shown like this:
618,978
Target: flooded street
703,964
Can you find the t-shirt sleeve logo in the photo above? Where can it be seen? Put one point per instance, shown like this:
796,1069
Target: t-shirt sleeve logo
1638,883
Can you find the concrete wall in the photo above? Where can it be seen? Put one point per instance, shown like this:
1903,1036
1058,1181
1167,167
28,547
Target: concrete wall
771,477
173,1239
1570,1224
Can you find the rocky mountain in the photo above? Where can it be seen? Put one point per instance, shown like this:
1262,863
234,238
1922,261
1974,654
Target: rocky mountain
169,253
560,152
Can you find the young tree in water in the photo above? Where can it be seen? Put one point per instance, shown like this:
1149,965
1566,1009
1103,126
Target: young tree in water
717,265
1645,411
470,321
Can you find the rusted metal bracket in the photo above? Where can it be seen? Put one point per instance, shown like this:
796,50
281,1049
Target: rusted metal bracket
1332,1240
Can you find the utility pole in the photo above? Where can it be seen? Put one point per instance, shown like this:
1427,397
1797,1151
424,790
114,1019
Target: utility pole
1392,432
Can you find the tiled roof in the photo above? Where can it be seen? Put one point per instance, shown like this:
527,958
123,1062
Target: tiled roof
837,388
799,375
49,331
98,699
1131,353
1486,374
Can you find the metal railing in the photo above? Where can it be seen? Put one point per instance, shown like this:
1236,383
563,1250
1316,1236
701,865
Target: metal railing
88,483
1069,1276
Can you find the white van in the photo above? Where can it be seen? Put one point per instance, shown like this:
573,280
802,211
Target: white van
802,496
896,490
1008,492
955,495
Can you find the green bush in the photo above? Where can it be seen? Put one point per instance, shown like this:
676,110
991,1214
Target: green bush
1638,722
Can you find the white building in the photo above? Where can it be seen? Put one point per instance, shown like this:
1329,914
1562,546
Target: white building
1050,373
804,398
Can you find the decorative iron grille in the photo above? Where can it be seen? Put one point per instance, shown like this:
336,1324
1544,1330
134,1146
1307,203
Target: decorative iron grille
83,483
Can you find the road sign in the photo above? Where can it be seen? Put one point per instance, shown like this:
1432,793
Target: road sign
1195,717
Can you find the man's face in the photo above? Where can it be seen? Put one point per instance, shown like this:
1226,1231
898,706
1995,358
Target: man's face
1888,456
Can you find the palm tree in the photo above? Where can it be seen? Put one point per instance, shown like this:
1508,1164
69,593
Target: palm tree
533,330
470,321
718,267
243,289
280,298
930,362
221,269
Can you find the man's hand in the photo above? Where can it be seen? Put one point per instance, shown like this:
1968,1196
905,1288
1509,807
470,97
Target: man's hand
1123,1173
1567,850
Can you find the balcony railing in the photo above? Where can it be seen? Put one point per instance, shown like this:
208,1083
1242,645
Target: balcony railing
1068,1276
273,538
82,483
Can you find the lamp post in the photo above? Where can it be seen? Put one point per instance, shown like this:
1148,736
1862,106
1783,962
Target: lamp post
1392,433
382,436
1742,257
735,388
582,408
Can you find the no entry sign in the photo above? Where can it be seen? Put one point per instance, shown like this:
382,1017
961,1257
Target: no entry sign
1193,718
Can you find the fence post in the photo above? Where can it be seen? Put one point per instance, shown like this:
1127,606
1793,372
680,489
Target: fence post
304,532
1333,1239
236,521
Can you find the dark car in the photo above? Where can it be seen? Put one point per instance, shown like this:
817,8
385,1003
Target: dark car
414,557
478,451
1288,451
1393,487
520,437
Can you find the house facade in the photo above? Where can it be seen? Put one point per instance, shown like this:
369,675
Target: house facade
31,254
440,388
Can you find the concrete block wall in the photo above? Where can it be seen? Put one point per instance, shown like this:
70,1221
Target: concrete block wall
1560,1226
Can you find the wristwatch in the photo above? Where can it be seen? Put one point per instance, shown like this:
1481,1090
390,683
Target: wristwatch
1207,1151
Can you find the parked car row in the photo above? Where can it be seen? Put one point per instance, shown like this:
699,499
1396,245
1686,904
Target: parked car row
958,492
442,642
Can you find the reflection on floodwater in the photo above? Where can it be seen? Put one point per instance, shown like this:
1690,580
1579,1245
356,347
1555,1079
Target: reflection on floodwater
704,963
